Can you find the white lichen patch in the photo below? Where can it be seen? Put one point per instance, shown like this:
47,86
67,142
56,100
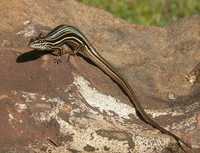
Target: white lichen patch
20,107
12,120
83,129
51,110
85,136
105,103
51,114
151,144
43,98
192,107
163,112
28,31
156,113
10,117
83,123
176,111
171,96
109,104
189,124
29,96
26,22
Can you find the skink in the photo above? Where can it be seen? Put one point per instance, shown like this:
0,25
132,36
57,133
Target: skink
77,41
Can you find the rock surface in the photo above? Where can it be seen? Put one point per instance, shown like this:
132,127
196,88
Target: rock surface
73,107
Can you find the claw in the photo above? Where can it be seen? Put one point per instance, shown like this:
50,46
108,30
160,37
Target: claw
57,60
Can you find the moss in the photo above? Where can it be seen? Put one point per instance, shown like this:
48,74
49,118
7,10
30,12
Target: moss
147,12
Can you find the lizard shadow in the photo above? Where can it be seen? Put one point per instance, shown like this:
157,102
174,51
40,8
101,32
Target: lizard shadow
31,55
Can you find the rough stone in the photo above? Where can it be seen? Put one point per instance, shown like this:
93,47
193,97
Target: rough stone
73,107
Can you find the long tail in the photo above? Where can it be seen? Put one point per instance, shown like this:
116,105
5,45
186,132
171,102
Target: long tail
98,60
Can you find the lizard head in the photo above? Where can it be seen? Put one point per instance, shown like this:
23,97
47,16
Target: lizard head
39,44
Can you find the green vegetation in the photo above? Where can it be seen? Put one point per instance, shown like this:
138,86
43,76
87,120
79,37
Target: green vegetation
149,12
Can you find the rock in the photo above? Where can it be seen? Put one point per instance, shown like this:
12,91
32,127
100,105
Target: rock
73,106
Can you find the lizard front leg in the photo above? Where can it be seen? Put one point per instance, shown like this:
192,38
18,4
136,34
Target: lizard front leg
58,52
74,51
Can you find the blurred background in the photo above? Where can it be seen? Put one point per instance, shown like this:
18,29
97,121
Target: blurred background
148,12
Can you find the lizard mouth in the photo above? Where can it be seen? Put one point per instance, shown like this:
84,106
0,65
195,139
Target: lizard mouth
36,46
33,46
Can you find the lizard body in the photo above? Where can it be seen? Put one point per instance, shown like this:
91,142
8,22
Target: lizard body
76,40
